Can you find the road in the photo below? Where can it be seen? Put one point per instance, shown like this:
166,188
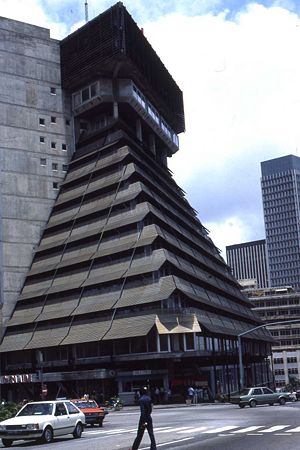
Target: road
209,427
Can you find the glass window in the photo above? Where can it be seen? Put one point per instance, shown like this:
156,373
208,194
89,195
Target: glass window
43,161
189,341
42,139
85,94
256,392
164,342
55,185
53,119
60,410
71,408
52,90
42,121
54,166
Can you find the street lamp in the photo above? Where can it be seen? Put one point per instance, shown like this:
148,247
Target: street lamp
239,341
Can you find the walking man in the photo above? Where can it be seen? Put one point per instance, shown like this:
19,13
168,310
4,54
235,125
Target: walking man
145,420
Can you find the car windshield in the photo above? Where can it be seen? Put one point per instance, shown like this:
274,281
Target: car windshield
36,409
245,391
84,404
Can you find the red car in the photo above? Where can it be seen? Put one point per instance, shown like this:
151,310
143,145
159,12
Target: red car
94,414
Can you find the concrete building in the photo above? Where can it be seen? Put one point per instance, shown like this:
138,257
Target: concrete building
248,263
277,305
125,288
280,183
35,146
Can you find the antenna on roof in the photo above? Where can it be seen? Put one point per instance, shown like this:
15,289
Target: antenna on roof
86,6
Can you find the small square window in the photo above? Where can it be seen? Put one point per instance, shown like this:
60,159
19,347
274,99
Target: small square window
68,122
53,119
52,90
42,121
64,147
55,185
43,161
65,167
54,166
53,144
42,139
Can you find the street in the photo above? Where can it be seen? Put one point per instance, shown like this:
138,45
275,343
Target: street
213,426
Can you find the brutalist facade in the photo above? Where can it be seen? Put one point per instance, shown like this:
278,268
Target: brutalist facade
126,288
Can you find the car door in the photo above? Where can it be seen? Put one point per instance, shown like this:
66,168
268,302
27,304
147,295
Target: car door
257,395
63,421
268,395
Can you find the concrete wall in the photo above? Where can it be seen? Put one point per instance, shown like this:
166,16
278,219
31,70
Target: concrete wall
30,90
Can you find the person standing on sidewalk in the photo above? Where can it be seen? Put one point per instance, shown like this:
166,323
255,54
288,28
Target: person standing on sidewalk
145,421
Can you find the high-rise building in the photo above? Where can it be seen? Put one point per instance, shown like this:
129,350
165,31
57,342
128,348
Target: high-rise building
35,146
276,306
248,263
125,287
280,183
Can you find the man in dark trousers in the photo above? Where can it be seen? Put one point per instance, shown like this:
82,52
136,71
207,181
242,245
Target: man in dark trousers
145,420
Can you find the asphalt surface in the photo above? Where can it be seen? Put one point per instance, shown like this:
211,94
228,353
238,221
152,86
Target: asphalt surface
181,427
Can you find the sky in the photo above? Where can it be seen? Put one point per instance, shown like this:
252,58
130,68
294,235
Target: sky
238,65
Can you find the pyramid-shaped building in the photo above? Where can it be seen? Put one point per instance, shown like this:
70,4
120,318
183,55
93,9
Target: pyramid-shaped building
125,288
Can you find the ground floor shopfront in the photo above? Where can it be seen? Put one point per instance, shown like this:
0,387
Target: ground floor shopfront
211,374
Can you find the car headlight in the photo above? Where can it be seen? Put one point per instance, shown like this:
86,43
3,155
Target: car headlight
2,427
32,426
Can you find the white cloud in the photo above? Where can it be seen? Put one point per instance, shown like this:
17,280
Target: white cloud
241,87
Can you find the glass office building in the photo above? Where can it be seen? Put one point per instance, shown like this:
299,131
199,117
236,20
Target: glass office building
280,193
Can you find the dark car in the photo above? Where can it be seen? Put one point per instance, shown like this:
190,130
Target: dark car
259,396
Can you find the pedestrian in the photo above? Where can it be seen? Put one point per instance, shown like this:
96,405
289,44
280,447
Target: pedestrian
145,420
156,393
191,393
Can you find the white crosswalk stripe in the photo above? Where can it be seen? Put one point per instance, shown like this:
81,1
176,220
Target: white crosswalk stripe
221,429
174,429
274,428
293,430
193,430
248,429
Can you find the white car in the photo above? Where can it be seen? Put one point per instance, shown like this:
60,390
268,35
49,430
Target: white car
42,421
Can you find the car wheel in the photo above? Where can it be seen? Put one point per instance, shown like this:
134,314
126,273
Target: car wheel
282,401
252,404
47,435
78,431
92,425
271,404
7,442
241,406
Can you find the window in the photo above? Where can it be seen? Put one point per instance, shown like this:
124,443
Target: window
43,161
53,144
54,166
164,342
42,139
257,392
189,341
68,122
60,410
52,90
42,121
64,147
64,167
55,185
53,119
71,408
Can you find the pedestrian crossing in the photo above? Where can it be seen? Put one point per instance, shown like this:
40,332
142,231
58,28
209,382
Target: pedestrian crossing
280,430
